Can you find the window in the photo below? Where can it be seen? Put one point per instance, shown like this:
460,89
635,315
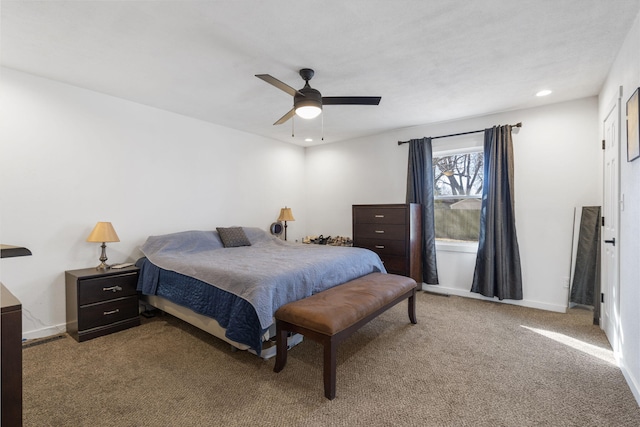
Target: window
458,179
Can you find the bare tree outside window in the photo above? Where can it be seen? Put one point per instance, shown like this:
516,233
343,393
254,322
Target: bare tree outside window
458,180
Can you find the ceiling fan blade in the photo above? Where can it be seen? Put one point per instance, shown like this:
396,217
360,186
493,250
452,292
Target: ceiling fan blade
351,100
277,83
286,117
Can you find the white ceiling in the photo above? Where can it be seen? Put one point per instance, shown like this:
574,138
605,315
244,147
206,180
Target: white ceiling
429,60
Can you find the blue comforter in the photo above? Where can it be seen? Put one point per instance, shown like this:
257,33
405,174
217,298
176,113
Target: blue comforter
245,285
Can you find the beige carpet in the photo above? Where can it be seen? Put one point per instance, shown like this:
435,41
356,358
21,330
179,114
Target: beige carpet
466,363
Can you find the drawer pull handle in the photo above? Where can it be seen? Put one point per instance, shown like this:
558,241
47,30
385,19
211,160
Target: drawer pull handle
106,313
379,246
380,231
379,216
113,289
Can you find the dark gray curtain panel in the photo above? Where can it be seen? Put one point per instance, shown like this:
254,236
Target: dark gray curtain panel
498,272
420,190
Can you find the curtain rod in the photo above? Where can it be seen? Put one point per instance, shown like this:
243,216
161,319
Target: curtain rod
517,125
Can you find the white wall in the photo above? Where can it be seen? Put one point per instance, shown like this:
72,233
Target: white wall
557,167
626,73
71,157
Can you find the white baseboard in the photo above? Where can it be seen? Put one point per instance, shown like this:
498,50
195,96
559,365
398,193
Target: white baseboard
633,385
49,331
439,289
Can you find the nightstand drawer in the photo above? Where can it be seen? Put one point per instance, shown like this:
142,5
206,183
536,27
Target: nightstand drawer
380,231
107,288
93,315
380,216
384,247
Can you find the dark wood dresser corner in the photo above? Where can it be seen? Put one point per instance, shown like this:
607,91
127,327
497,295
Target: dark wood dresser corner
11,325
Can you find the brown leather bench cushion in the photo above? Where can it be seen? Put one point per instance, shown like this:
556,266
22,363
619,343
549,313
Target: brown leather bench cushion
331,311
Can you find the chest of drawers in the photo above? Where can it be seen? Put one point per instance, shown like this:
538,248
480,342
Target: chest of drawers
101,302
392,231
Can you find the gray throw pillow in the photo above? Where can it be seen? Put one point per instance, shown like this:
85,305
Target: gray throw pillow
233,237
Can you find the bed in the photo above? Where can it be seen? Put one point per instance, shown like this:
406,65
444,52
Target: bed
232,290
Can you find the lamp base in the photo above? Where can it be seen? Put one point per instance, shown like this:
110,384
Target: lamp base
103,257
103,267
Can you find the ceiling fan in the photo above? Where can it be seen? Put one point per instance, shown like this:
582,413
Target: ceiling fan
308,102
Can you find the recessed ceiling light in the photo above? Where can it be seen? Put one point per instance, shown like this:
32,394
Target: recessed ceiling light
543,92
308,140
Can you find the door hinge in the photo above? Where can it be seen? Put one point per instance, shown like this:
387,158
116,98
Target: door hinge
602,298
603,221
604,144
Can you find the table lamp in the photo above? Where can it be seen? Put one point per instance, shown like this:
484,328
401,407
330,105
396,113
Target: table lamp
103,232
286,215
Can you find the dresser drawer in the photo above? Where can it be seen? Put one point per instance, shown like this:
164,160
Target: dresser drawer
380,215
384,247
100,314
380,231
106,288
395,265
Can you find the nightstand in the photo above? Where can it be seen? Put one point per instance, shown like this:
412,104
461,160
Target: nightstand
100,302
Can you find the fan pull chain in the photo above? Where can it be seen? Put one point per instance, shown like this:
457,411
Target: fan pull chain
322,133
293,119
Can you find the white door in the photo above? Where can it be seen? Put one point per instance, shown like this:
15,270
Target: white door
609,313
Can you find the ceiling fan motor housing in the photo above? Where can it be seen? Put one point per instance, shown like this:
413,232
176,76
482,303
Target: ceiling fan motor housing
310,98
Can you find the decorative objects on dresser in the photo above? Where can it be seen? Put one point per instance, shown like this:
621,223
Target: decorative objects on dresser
99,303
103,232
393,232
329,240
286,215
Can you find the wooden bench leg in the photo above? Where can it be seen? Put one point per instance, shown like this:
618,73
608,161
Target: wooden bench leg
329,368
412,308
281,348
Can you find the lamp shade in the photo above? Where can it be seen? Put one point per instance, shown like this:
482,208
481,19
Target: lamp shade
286,215
103,232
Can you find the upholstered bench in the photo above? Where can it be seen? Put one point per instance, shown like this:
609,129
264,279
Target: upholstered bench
331,316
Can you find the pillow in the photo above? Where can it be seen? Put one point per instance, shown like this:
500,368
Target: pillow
233,237
192,241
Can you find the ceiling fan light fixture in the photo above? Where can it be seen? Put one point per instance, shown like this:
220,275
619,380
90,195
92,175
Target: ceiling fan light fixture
308,103
308,111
